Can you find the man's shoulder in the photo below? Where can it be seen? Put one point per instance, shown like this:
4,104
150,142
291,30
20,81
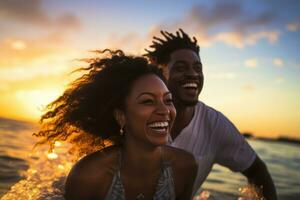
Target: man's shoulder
212,120
210,114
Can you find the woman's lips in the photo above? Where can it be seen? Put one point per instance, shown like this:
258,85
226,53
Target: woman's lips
161,127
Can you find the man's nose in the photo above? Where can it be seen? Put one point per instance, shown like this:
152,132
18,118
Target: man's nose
191,73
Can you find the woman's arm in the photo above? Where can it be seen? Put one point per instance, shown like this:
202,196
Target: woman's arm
76,186
190,173
185,169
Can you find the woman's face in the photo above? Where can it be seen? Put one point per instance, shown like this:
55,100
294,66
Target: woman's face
150,112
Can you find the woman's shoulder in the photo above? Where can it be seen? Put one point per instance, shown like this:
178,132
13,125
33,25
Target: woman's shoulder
103,159
184,167
91,171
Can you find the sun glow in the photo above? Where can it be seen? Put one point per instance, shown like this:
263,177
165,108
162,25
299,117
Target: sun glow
34,101
18,45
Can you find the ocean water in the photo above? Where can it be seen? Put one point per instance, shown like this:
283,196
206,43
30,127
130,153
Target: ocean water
37,174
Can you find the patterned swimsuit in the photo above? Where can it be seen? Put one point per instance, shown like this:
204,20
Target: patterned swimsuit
165,189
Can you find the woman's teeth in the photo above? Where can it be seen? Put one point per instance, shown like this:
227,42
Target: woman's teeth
159,126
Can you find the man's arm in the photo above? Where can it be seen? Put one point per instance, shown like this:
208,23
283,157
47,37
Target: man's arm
236,154
258,175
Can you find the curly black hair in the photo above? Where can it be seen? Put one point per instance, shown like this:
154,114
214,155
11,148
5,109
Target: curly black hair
170,43
83,114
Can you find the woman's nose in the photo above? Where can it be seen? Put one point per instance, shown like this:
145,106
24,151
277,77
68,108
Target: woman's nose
162,108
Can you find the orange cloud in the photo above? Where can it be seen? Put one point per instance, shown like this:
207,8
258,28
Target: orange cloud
21,52
207,23
130,43
241,40
251,63
32,12
227,76
294,26
24,11
278,62
248,88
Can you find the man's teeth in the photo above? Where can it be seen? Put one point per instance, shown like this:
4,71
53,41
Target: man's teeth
190,85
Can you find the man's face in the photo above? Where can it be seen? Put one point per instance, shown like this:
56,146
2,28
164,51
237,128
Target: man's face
185,77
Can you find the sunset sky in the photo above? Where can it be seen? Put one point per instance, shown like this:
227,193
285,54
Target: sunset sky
249,49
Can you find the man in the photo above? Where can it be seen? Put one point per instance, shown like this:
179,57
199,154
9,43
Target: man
198,128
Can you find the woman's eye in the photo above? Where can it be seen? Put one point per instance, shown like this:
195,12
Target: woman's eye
169,101
148,101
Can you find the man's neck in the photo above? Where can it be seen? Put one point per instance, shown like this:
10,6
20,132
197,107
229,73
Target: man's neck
183,118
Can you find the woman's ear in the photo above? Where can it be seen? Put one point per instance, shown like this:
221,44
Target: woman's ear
120,117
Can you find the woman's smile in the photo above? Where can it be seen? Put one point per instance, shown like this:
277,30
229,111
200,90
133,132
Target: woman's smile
151,112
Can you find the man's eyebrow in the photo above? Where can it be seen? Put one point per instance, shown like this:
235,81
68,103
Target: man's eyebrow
184,62
180,61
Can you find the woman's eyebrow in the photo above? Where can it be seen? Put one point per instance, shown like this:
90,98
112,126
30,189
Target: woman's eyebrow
144,93
152,94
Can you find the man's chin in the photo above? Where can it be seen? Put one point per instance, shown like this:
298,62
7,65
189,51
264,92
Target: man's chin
189,103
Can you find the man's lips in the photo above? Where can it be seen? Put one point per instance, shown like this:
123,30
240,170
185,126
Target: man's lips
190,85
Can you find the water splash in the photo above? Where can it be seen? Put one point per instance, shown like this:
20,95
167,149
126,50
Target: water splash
204,195
250,192
45,177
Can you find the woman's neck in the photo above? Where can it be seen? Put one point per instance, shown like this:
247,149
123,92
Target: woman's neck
140,158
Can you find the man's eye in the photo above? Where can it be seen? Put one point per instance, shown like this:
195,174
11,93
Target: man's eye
179,68
198,68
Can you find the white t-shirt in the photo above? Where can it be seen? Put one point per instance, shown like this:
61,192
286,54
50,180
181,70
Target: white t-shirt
212,138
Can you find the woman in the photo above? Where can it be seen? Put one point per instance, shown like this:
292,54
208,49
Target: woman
121,101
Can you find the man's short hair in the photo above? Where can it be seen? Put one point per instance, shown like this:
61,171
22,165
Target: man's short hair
163,47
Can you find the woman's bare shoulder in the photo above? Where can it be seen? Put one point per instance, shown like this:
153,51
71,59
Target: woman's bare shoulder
98,161
91,171
184,167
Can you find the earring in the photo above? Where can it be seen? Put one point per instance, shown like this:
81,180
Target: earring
121,130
